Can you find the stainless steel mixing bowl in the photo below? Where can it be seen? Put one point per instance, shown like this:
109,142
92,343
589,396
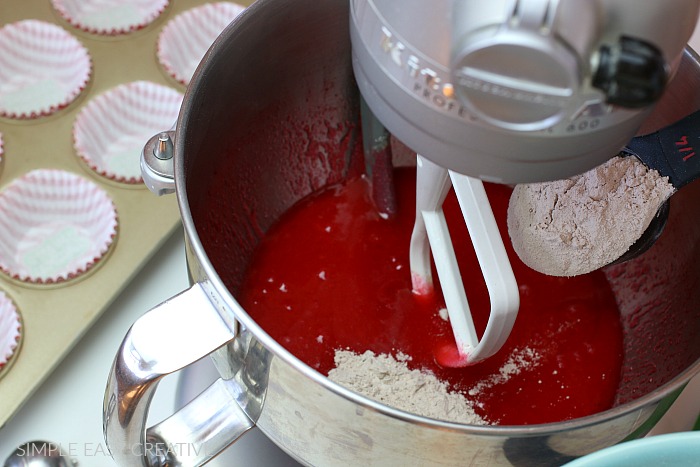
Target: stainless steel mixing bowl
270,116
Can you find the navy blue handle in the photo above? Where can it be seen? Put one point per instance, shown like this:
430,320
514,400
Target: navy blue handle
674,151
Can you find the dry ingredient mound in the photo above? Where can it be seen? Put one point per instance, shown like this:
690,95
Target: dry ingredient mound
577,225
388,380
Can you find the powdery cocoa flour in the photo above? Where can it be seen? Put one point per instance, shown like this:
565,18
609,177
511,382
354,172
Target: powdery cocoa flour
518,360
574,226
388,380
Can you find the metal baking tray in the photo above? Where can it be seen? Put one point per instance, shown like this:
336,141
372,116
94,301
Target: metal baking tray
56,316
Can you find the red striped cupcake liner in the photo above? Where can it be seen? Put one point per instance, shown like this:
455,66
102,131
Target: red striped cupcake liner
2,154
109,17
43,68
10,331
186,38
54,226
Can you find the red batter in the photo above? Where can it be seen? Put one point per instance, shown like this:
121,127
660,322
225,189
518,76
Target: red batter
332,274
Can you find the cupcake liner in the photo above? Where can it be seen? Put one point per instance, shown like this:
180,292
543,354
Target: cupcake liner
10,330
109,17
187,37
54,226
2,154
111,130
43,68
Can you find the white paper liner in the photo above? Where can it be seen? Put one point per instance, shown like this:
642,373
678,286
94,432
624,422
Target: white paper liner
43,68
110,131
54,226
110,17
10,329
187,37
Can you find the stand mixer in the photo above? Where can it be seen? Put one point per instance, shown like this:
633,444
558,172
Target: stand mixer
505,91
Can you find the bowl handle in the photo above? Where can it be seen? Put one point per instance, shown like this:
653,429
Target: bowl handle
174,334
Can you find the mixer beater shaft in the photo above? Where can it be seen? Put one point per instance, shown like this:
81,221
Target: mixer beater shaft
378,164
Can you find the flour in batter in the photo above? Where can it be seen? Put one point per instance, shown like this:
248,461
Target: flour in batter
388,380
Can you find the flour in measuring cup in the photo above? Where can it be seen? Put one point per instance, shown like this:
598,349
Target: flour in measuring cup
574,226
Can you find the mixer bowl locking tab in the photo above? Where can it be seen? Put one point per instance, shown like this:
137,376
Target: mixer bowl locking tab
157,163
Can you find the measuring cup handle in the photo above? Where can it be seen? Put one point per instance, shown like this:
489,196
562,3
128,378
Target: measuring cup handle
674,151
166,339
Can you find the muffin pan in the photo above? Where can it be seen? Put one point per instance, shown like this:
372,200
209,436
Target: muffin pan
77,223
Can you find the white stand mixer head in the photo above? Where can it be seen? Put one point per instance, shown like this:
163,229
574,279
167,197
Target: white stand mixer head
516,91
508,91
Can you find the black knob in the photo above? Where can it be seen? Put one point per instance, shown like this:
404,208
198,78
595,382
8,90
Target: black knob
631,73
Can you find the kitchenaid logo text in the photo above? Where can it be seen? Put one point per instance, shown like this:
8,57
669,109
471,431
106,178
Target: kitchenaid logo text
426,81
439,100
